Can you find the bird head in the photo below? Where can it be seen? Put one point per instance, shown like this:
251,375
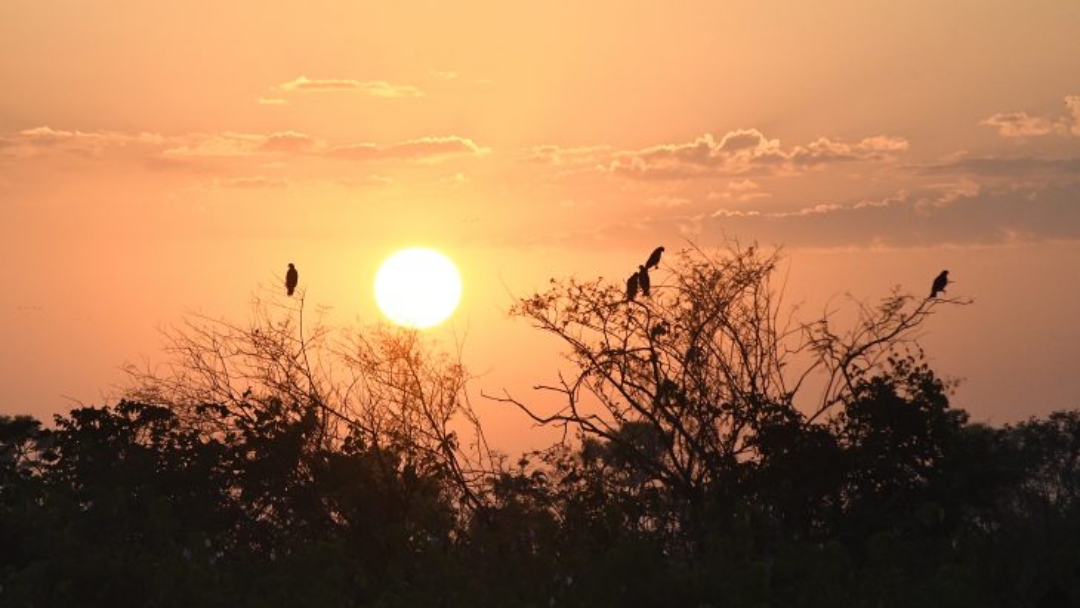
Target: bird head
290,265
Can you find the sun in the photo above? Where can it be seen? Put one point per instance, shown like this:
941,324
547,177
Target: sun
417,287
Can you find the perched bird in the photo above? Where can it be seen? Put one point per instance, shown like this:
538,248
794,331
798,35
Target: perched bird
939,283
632,287
643,280
654,259
291,278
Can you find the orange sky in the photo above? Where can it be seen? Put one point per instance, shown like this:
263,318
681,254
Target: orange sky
158,157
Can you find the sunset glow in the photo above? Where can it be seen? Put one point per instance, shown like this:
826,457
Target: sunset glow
157,159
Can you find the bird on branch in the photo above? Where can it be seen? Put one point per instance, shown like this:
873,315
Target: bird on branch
292,277
654,259
939,283
643,280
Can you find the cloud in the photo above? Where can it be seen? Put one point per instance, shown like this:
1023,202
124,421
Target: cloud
741,191
557,155
304,84
423,149
379,88
825,150
44,140
445,74
217,144
1072,102
206,147
1023,125
941,208
1019,124
1015,166
742,185
735,213
960,213
748,152
288,141
271,101
552,163
819,209
374,88
668,201
965,188
233,144
435,146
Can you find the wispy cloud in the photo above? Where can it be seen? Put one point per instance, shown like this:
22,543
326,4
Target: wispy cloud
379,88
1022,124
1012,166
289,142
959,213
742,185
558,155
374,88
426,149
1072,103
667,201
216,145
741,191
227,150
45,139
745,152
1019,124
304,84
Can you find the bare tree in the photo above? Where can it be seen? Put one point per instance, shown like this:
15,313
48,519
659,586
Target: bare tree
704,364
385,387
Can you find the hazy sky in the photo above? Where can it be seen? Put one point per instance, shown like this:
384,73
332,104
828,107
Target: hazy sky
161,157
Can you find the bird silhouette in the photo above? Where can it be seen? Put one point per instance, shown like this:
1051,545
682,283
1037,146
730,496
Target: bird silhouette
939,283
291,279
643,280
632,287
654,259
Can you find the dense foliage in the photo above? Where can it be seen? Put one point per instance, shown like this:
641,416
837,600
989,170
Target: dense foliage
694,475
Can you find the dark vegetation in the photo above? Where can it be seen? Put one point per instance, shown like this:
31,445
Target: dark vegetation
717,453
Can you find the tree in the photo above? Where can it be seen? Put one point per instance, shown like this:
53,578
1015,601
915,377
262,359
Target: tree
19,443
263,464
710,378
382,388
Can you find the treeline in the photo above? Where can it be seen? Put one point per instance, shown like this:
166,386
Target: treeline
131,506
274,467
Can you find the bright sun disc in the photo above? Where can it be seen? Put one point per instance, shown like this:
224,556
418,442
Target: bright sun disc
417,287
